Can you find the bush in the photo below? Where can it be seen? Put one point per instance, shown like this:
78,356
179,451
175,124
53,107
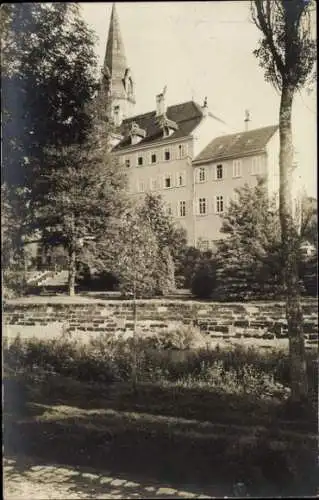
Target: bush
97,281
13,284
204,281
161,359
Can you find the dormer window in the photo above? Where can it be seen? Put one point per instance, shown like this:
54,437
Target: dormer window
168,126
136,133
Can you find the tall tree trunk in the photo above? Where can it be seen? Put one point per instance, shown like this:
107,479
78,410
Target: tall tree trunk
298,374
134,361
72,270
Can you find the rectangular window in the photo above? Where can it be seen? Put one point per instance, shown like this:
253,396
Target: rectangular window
182,208
202,174
202,206
167,155
204,245
153,158
127,163
169,209
219,171
181,151
168,181
219,204
236,197
237,168
140,161
180,179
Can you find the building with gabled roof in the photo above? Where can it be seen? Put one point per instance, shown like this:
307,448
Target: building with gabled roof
248,143
227,163
184,152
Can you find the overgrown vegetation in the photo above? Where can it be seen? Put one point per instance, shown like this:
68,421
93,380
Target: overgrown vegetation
199,416
165,359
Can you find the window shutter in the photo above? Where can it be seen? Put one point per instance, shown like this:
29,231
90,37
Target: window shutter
215,172
177,179
215,205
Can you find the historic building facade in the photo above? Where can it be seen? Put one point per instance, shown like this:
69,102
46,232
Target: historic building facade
183,152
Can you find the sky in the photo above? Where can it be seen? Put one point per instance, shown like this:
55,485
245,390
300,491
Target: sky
205,49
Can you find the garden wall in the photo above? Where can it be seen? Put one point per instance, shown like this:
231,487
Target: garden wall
260,323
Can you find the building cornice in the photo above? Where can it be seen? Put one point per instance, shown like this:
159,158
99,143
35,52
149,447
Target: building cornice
152,145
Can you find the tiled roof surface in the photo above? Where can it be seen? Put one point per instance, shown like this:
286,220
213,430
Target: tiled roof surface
187,115
236,145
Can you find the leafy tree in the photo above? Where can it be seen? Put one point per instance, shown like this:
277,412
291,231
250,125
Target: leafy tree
250,256
172,240
168,234
287,53
49,75
86,195
48,78
135,258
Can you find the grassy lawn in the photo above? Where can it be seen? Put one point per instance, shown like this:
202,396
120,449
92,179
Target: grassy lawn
166,432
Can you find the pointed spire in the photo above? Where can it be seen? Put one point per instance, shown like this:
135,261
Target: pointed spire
115,59
115,69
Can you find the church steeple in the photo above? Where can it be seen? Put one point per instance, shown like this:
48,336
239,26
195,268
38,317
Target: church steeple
117,78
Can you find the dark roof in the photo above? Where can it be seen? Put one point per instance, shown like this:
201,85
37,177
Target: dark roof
235,145
187,115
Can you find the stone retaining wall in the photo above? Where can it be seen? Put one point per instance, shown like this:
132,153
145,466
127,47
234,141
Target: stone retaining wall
224,321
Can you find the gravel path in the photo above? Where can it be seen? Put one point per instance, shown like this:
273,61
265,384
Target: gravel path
23,480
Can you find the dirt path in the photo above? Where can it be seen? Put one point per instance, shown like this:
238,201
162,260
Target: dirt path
24,480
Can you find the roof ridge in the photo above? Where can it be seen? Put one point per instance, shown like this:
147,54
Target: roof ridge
168,107
243,132
237,144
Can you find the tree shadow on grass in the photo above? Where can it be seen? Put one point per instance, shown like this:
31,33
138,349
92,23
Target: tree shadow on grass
183,437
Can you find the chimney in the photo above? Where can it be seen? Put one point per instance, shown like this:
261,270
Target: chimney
247,119
160,103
